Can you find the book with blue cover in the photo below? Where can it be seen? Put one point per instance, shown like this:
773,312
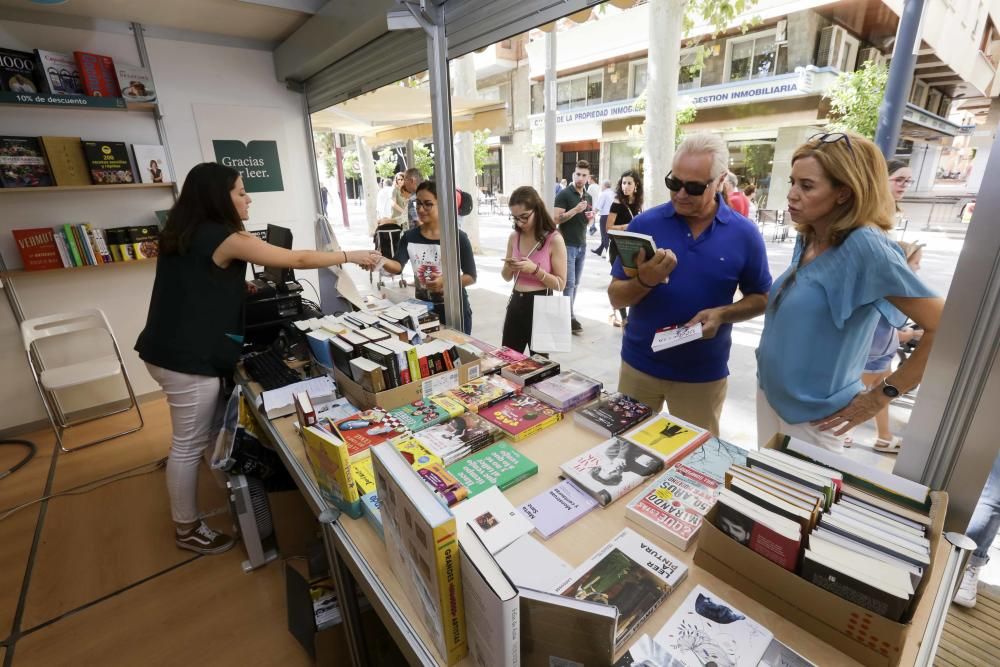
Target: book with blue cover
708,464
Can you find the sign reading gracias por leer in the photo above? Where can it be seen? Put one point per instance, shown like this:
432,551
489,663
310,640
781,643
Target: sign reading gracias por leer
257,161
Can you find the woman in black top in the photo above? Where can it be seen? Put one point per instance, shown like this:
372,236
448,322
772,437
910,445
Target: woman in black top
421,246
628,204
194,329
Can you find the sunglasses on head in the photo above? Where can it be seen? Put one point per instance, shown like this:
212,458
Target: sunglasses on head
831,138
693,188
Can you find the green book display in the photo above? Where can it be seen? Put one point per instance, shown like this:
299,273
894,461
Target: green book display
499,465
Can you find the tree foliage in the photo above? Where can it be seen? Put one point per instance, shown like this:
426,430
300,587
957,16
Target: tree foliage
855,98
480,151
757,161
352,166
423,157
385,165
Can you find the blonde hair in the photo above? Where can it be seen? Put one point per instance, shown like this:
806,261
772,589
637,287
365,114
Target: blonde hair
857,164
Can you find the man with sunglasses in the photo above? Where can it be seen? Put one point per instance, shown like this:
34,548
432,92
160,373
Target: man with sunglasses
705,252
573,211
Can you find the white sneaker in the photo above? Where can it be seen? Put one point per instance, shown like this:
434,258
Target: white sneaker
966,595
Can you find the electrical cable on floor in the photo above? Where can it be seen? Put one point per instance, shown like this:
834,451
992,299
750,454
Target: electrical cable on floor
32,450
137,471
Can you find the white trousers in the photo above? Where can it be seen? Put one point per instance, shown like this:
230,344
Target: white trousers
769,423
195,416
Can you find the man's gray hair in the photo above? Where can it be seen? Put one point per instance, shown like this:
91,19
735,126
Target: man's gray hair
607,184
733,181
706,143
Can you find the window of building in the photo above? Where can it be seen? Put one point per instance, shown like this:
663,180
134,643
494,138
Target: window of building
990,44
580,90
934,100
754,57
918,93
639,74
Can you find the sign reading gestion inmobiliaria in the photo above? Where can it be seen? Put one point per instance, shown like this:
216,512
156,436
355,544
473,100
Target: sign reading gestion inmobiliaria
257,161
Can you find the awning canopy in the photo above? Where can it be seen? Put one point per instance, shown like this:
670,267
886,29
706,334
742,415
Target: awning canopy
398,113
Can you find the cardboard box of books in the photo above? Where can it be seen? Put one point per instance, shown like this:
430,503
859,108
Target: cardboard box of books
407,393
868,637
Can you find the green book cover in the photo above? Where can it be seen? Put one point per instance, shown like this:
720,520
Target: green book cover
420,415
499,465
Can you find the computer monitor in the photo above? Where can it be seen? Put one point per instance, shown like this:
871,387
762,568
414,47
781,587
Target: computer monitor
281,237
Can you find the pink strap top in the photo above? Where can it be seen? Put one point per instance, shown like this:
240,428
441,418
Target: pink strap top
541,256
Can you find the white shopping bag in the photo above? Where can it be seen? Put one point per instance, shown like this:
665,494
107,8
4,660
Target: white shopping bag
550,330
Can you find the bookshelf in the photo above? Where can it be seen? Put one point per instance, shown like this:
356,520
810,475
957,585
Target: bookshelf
9,273
87,188
73,102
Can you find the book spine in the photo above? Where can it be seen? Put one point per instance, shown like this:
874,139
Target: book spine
64,255
425,370
413,361
111,238
71,245
92,241
81,246
450,601
100,240
535,428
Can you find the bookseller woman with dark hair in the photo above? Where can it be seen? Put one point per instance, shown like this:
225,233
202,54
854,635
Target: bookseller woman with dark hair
194,330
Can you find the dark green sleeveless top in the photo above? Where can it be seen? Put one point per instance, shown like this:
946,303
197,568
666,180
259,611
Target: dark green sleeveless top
195,320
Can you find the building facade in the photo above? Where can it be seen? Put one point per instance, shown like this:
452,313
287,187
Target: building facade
760,87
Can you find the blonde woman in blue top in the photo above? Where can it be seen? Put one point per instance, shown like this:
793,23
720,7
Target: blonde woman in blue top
822,311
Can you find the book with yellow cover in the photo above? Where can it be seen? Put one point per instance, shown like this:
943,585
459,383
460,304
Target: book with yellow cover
421,541
328,457
667,437
364,475
65,154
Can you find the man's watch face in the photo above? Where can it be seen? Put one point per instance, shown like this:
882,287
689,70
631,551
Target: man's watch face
889,390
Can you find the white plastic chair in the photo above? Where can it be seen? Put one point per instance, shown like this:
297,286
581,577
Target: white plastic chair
50,380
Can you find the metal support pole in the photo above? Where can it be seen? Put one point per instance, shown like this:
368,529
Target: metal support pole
549,165
958,557
897,90
161,128
311,143
431,18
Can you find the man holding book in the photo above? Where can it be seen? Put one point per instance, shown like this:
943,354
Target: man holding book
704,252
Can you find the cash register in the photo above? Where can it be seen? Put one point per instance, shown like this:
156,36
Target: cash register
277,298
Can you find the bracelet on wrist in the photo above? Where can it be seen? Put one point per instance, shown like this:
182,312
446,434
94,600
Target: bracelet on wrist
639,280
537,269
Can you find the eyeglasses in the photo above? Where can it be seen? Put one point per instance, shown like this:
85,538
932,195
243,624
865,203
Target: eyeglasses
524,217
831,138
693,188
902,181
424,203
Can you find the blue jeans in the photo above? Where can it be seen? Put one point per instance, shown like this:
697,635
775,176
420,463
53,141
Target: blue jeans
574,272
986,518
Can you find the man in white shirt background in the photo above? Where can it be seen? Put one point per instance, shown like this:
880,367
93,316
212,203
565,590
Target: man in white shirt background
383,202
603,206
594,190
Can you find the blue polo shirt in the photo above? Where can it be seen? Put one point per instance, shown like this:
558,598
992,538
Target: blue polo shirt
727,255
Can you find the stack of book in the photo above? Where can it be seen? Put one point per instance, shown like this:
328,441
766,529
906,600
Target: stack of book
611,469
612,414
530,371
482,393
499,465
72,245
378,360
566,391
459,437
520,416
667,437
426,413
364,430
674,504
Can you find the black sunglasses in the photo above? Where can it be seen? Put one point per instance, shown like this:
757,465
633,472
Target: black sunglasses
693,188
821,138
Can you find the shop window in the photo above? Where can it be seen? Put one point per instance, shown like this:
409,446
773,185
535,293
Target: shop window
579,91
754,57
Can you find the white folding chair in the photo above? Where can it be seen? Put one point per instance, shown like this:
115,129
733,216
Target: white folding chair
51,380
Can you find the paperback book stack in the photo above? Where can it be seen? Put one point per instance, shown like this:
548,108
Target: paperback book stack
459,437
566,391
612,415
611,469
667,437
520,416
482,392
530,371
673,506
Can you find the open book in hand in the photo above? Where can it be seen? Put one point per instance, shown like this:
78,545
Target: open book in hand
626,245
676,335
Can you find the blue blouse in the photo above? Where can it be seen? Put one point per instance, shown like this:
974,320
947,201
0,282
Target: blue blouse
815,343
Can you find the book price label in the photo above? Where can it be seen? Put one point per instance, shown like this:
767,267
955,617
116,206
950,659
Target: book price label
668,337
439,383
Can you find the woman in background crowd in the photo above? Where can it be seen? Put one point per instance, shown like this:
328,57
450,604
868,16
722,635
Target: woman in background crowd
535,260
421,246
822,311
628,204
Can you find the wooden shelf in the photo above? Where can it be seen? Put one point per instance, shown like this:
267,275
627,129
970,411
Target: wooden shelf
49,101
77,188
22,272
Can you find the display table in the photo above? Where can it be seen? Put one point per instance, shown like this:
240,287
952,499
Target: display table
358,556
